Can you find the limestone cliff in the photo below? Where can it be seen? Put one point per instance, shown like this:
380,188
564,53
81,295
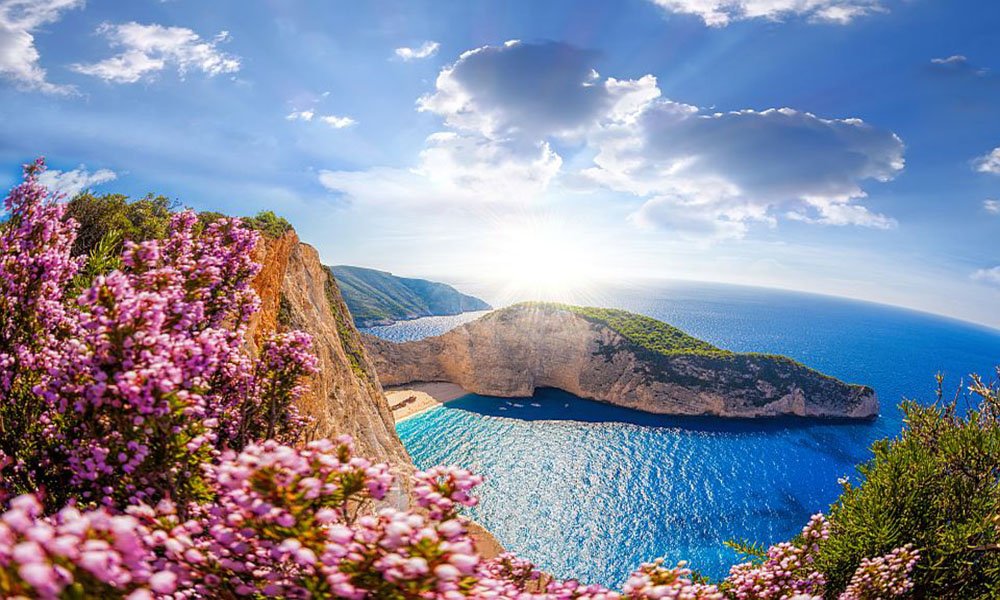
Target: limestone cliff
297,292
619,358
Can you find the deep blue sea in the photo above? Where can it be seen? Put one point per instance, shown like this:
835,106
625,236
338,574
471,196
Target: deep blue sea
589,491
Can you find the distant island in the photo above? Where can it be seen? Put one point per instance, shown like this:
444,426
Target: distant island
381,298
617,357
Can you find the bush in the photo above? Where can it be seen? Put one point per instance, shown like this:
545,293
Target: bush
115,216
269,224
98,216
935,486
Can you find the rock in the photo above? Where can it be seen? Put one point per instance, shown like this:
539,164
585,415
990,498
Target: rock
513,351
345,396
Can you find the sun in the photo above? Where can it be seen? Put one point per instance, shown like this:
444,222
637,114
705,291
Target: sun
541,258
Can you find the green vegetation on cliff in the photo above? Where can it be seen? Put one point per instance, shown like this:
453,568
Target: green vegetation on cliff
117,217
377,296
646,332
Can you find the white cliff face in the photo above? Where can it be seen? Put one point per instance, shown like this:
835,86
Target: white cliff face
512,352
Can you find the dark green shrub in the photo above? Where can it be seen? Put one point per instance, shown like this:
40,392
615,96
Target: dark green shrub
269,224
114,216
935,486
143,219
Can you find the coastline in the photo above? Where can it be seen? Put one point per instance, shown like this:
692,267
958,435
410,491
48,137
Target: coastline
388,322
422,397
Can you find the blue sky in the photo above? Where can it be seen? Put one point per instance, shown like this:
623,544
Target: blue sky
848,147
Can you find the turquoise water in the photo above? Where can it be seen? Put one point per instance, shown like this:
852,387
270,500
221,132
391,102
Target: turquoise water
589,491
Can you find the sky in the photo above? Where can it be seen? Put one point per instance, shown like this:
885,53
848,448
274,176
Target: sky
844,147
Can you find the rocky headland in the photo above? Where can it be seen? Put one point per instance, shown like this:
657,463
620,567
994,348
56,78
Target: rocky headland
616,357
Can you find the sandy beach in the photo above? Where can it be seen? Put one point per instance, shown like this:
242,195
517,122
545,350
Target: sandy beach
413,399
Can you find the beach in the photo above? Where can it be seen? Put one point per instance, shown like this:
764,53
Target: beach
415,398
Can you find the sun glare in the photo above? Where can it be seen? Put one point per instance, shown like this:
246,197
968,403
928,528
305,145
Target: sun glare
540,258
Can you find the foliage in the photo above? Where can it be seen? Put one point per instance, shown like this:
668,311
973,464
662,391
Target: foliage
935,486
114,216
132,427
145,219
646,332
268,224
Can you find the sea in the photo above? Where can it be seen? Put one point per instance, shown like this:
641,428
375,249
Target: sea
590,491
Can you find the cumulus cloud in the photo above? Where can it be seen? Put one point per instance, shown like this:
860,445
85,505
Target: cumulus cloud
990,276
426,50
714,174
992,206
988,163
533,89
719,13
750,159
71,183
19,58
149,49
337,122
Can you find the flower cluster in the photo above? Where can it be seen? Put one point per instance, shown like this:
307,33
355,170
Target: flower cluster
118,394
100,553
883,577
786,570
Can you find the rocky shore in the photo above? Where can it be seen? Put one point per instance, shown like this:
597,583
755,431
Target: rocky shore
615,357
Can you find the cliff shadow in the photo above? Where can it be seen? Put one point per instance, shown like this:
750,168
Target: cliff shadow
551,404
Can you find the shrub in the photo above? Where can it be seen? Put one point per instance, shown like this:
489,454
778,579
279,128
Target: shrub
116,217
269,224
98,216
935,486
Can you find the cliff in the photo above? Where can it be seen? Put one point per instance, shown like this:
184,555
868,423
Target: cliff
298,292
619,358
378,298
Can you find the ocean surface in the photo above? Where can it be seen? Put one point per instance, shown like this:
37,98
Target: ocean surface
589,491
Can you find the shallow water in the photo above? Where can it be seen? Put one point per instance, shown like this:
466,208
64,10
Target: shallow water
589,491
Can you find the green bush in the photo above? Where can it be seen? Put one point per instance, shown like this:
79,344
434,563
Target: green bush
99,216
114,216
269,224
935,486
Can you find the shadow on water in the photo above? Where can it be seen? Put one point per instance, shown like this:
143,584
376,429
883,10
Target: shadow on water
550,404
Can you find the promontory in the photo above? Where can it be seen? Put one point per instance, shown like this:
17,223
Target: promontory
616,357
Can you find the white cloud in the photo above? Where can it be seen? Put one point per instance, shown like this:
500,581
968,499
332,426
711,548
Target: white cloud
148,49
990,276
426,50
992,206
453,169
300,115
954,59
719,13
988,163
713,174
19,58
337,122
71,183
